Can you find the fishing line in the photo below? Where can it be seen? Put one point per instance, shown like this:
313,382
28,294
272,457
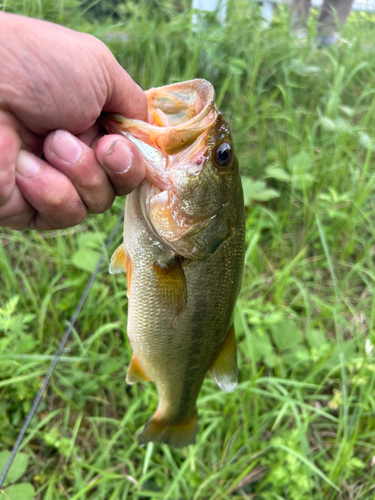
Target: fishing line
59,352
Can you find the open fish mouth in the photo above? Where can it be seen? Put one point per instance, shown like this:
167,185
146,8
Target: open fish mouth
178,115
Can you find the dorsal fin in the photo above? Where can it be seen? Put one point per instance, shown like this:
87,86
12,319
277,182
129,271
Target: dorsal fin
224,368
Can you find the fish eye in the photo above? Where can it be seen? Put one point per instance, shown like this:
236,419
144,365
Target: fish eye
223,155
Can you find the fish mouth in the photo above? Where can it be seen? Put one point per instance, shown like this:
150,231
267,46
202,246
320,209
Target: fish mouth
178,115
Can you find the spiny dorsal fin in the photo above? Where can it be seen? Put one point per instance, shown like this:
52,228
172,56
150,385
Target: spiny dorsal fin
174,433
172,285
118,261
135,372
224,368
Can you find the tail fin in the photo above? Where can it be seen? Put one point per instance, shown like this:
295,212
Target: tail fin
174,433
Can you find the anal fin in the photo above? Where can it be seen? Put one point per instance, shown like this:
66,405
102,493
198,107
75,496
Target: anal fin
135,372
224,368
174,433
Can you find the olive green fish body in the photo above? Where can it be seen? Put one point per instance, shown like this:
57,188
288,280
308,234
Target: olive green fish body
176,352
184,247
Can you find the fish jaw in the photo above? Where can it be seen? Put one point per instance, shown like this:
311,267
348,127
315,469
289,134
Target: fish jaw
178,115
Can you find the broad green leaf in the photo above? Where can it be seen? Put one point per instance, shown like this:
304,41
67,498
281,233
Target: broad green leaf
18,467
286,334
300,162
302,181
261,346
278,173
347,352
328,124
257,191
238,323
347,110
23,491
90,240
86,259
296,354
343,125
269,359
10,306
316,339
366,141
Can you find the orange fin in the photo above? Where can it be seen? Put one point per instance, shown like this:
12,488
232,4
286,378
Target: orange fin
224,368
118,261
135,372
121,262
172,284
177,434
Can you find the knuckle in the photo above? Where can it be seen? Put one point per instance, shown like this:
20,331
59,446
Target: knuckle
18,222
6,190
58,199
106,204
78,215
65,202
9,146
93,182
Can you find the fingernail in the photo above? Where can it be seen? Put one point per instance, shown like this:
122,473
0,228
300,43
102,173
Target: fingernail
27,164
66,146
119,158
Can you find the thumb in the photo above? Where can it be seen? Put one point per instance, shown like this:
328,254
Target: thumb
125,96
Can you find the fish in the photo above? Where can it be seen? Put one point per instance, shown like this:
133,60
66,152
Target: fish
183,251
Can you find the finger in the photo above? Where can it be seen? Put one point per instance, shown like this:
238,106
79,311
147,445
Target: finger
50,192
91,135
10,144
122,161
16,213
124,95
29,141
78,162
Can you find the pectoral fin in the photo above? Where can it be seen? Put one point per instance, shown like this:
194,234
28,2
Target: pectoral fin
135,372
172,285
120,262
224,368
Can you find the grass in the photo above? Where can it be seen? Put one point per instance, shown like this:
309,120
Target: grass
301,423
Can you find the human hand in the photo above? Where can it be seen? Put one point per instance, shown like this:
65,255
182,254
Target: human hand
54,83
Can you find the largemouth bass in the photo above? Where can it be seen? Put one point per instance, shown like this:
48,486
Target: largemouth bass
183,250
